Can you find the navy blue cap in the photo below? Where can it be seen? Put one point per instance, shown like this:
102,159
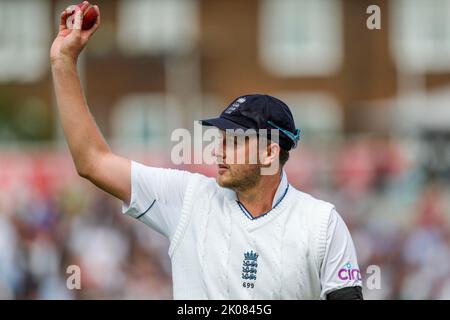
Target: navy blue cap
259,111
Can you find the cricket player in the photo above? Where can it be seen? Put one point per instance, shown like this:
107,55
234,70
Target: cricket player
243,235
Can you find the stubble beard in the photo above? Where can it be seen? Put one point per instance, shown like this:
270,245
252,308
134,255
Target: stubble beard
242,179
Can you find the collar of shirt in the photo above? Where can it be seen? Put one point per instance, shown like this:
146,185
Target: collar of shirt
279,194
281,191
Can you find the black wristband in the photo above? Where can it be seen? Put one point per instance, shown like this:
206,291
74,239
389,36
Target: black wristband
348,293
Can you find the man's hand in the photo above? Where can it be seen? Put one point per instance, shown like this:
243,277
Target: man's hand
69,43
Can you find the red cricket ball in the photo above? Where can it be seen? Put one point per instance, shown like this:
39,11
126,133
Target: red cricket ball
89,15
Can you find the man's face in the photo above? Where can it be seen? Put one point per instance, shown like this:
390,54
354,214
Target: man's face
237,159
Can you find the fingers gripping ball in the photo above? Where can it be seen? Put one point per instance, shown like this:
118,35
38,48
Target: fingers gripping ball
89,15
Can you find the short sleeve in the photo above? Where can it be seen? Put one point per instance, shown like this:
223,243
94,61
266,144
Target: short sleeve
157,196
340,266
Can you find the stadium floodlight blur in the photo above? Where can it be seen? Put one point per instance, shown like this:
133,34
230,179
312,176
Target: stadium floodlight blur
372,105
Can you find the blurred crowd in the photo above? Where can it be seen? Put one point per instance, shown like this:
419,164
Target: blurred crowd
50,219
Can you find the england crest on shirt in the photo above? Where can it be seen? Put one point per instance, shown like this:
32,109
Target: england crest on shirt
250,265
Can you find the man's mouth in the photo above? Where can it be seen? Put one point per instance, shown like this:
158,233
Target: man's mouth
222,168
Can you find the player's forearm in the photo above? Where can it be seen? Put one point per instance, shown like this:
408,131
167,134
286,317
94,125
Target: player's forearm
82,134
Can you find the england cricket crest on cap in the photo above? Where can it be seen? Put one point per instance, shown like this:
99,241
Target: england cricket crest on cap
235,105
250,265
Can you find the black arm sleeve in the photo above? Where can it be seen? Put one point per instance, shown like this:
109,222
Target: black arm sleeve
349,293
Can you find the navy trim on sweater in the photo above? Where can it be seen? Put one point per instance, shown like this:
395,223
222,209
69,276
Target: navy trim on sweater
146,210
249,215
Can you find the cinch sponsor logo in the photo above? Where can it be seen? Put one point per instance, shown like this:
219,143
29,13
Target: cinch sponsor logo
349,273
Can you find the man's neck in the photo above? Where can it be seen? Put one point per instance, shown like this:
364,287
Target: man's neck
258,200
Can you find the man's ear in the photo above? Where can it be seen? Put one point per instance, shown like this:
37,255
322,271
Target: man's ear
271,154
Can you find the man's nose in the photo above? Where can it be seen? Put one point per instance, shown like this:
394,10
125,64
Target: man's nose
219,151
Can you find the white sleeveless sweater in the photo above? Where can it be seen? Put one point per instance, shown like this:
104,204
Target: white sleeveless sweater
217,252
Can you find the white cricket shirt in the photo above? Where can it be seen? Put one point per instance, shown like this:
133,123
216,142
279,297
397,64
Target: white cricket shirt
301,249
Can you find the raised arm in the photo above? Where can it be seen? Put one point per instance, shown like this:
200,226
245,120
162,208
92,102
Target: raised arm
91,154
